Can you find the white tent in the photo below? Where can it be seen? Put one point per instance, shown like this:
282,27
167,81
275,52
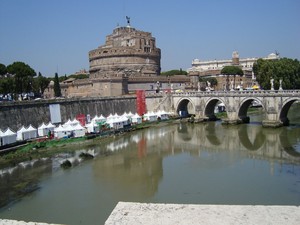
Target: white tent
163,115
69,122
79,131
112,117
60,131
150,116
99,119
115,123
30,133
7,137
136,118
128,115
42,130
20,133
75,122
92,127
50,126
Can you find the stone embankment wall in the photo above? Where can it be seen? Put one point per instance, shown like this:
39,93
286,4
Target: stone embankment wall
17,114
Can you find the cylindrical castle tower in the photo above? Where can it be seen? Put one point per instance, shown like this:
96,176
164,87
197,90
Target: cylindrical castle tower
127,52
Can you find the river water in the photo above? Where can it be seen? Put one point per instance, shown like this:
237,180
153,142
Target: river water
172,163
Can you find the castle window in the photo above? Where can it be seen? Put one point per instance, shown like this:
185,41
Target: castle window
105,51
147,49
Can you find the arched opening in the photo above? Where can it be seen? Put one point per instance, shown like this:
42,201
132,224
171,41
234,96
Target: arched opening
185,133
211,135
243,110
185,108
212,107
287,141
284,112
251,141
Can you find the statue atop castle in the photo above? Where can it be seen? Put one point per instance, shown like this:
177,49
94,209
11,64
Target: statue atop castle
128,21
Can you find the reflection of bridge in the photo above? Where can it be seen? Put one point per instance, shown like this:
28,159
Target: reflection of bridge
254,141
276,104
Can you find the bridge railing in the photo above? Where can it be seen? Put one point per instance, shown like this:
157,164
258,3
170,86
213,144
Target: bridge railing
240,93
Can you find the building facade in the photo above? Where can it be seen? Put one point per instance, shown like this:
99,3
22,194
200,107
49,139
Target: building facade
212,68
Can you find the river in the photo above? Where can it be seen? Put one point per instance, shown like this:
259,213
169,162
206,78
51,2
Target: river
205,163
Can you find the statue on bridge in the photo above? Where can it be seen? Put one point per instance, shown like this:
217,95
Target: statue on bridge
208,88
280,85
272,84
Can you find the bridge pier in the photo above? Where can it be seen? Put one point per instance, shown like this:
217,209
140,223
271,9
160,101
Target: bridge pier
231,122
272,123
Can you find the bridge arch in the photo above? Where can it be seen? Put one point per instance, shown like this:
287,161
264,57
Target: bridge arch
243,109
186,107
254,145
285,109
210,105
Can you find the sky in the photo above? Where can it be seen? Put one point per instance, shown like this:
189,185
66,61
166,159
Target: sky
56,36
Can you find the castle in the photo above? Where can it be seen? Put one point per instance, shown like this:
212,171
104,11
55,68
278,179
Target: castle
128,61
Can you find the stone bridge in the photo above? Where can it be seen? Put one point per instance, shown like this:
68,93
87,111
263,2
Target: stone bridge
276,105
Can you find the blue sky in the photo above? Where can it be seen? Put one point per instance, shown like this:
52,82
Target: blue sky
56,36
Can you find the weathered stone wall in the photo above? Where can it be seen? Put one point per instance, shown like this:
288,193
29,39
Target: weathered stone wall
15,115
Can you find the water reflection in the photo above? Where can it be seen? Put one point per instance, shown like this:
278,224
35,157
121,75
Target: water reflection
181,163
18,181
135,173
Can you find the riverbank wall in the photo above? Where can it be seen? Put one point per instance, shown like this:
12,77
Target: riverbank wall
18,114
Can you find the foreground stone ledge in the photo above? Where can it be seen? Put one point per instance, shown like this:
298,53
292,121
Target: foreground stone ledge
15,222
148,214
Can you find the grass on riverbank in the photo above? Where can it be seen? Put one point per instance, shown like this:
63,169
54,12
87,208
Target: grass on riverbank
48,148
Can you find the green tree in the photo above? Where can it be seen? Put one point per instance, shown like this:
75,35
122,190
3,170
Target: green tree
285,69
40,83
231,71
174,72
213,81
7,85
57,90
3,69
23,76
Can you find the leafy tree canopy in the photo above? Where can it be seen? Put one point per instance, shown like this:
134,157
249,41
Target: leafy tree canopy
21,69
213,81
3,69
285,69
174,72
232,70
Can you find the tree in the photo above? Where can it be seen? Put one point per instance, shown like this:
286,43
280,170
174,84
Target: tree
231,71
213,81
40,83
174,72
7,85
23,75
57,91
285,69
3,69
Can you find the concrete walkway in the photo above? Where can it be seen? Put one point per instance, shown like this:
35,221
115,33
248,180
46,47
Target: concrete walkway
15,222
148,214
